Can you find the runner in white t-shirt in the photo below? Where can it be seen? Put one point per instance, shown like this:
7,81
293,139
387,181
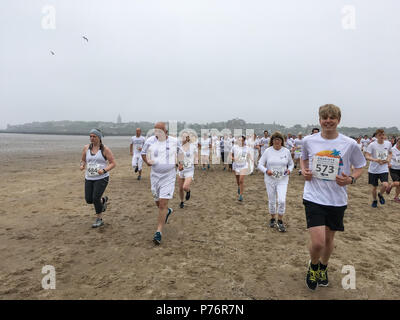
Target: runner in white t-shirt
264,142
326,162
241,155
188,157
365,142
160,152
135,149
297,148
394,169
205,146
276,163
379,154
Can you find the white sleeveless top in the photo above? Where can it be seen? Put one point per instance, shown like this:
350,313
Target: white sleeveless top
93,164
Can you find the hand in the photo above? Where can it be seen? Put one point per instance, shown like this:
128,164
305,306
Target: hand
307,174
287,172
131,153
180,167
100,172
343,180
269,172
82,167
390,166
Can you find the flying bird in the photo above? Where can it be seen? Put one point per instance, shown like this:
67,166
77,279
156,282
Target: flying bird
52,52
85,38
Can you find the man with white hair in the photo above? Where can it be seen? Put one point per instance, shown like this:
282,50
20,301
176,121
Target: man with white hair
160,152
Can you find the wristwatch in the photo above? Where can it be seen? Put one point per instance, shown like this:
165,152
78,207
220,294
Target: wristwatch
104,170
353,180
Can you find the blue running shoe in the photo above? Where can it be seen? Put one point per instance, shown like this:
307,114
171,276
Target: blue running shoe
238,190
168,214
374,204
381,199
157,238
240,198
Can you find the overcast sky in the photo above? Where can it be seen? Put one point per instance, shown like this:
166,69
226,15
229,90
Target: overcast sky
200,60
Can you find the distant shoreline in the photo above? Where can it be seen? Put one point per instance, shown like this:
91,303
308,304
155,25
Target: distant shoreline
64,134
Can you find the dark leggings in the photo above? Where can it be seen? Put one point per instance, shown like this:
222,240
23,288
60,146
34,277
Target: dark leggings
94,189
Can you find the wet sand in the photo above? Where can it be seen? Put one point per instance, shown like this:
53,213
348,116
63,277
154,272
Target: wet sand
214,248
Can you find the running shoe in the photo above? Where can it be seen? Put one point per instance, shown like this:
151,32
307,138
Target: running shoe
224,168
157,238
136,169
397,199
281,227
381,199
181,205
187,197
139,177
208,166
322,276
168,214
98,223
240,198
374,204
388,189
272,223
299,172
105,202
312,278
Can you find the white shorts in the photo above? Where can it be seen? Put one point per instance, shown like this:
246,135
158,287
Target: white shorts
137,161
186,173
297,155
239,170
163,187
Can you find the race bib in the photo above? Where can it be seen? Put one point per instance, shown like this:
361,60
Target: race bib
326,168
397,158
278,172
382,155
92,169
187,163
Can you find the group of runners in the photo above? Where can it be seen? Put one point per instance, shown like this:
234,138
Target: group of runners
328,161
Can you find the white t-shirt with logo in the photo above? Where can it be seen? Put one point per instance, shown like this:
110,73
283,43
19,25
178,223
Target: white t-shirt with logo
379,151
137,143
337,155
395,162
189,152
163,153
241,155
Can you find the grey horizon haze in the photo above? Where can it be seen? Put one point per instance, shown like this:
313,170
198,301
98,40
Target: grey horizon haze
200,61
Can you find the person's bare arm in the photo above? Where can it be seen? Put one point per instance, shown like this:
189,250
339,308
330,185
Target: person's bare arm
83,159
305,171
131,149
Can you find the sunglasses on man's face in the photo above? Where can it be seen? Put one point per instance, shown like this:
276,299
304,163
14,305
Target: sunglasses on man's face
92,136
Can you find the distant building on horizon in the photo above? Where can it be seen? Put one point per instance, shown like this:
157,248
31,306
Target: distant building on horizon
119,119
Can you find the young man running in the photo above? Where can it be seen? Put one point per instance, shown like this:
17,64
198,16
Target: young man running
325,164
379,153
160,153
135,149
264,142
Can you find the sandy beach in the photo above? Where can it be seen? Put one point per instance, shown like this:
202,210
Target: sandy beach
214,248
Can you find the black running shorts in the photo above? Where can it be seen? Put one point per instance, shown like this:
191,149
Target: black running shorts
373,178
320,215
395,174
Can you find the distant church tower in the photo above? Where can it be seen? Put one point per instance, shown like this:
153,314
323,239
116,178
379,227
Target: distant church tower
119,120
